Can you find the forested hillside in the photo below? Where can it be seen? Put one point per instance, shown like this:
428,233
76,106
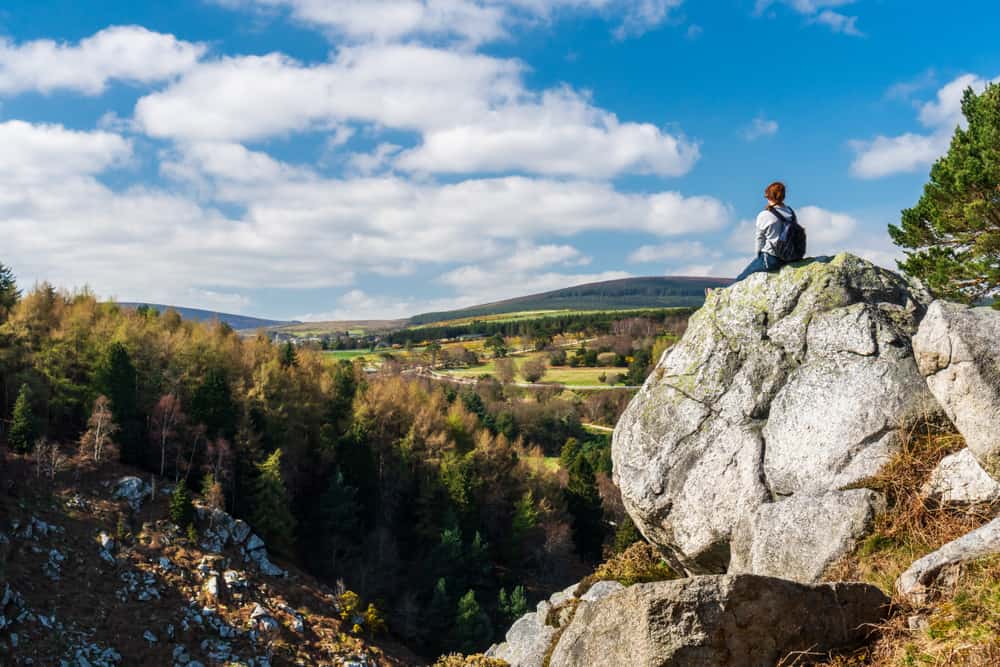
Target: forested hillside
446,506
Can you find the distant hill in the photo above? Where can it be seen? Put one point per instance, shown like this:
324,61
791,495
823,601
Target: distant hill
235,321
624,294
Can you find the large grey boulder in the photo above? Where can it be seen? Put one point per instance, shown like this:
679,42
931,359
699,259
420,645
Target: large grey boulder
786,385
719,620
799,538
959,481
958,350
935,570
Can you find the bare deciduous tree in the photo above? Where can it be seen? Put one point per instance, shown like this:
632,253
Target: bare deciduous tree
166,421
49,459
98,439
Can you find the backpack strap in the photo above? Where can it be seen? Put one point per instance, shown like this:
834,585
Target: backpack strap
774,212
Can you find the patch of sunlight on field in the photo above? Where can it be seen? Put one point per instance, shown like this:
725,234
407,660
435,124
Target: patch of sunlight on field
348,354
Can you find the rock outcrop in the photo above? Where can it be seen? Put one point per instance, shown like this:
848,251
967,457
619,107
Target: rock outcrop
530,638
786,389
719,620
957,350
959,481
939,569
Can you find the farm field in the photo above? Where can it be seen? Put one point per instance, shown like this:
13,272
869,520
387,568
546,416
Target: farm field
348,354
583,377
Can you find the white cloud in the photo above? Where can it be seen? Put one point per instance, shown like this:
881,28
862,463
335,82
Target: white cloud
295,229
911,151
820,12
119,53
760,127
470,22
34,154
472,112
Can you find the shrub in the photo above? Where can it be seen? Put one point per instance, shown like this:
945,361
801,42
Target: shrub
477,660
639,564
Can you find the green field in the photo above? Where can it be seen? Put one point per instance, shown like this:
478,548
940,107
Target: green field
581,377
550,463
348,354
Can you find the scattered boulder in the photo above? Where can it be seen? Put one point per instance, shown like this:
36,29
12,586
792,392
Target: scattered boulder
530,638
792,384
740,620
959,481
799,538
132,490
956,350
939,570
263,621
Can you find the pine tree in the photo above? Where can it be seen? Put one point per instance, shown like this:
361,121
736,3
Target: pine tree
473,630
525,517
570,450
181,509
513,606
116,378
9,293
338,524
271,513
23,431
440,615
584,504
213,406
288,356
952,235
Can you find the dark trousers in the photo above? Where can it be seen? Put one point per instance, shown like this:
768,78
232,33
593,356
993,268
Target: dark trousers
764,262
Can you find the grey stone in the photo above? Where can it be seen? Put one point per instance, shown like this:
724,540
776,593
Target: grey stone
959,481
937,570
601,589
799,538
132,490
738,621
526,643
957,350
786,383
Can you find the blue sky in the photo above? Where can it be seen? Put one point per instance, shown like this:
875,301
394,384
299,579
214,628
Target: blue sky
337,159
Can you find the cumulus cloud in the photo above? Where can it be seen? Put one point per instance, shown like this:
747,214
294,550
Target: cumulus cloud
821,12
686,250
287,227
472,112
470,22
911,151
119,53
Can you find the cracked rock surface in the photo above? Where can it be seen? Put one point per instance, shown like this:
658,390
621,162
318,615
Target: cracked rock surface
743,621
786,386
957,349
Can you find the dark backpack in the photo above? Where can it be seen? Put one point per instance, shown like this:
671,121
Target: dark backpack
791,243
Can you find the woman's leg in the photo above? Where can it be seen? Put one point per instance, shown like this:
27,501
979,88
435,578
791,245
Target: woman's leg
758,265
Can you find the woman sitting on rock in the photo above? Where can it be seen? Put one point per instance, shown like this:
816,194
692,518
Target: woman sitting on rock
780,238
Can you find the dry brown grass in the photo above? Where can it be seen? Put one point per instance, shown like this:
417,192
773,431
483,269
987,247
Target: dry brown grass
963,627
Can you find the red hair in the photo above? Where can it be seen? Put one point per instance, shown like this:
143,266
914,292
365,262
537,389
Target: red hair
776,192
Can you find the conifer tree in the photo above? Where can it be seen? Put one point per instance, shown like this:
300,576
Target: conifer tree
116,378
513,606
9,293
213,406
23,430
952,235
181,509
626,535
525,517
338,524
271,513
473,630
288,356
584,503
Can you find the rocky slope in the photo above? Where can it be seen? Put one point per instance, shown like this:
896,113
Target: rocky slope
774,447
92,574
